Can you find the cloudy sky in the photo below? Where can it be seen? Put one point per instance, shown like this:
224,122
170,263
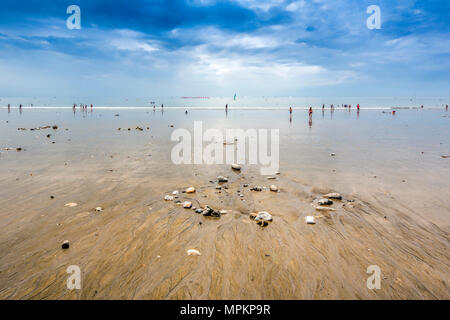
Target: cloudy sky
216,48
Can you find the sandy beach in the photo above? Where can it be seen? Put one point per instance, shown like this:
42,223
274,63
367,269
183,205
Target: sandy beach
391,171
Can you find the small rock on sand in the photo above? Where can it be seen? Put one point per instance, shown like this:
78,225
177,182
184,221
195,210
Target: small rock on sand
253,215
190,190
310,220
274,188
235,166
187,204
168,198
98,209
193,252
263,216
175,192
256,188
65,244
325,202
333,195
71,204
222,179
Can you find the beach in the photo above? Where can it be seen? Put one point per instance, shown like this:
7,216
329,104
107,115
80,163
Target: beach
391,170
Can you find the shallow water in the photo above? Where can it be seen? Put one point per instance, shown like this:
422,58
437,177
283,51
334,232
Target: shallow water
391,166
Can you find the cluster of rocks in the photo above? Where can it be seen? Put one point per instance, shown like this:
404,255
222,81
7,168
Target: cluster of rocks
324,205
273,188
262,218
138,128
54,127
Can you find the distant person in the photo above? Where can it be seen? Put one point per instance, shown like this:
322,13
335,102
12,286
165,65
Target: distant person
290,110
162,106
421,107
393,112
446,107
357,107
92,106
332,106
323,107
20,106
226,106
186,112
310,111
9,106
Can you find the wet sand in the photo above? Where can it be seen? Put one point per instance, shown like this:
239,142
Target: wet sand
390,168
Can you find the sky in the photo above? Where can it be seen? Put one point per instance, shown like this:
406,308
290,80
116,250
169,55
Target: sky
211,48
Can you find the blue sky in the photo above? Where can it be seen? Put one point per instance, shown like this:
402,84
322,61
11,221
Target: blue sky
216,48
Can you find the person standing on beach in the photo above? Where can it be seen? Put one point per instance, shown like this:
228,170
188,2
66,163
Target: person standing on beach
357,107
310,111
290,110
323,107
92,107
162,106
9,107
446,107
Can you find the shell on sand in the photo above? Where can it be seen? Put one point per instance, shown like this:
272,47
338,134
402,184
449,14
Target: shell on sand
193,252
321,208
71,204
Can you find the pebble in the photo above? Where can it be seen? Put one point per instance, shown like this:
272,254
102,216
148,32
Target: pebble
190,190
333,195
333,154
193,252
168,198
222,179
256,188
199,210
325,202
175,192
253,215
65,244
274,188
310,220
187,204
271,178
263,216
235,166
98,209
